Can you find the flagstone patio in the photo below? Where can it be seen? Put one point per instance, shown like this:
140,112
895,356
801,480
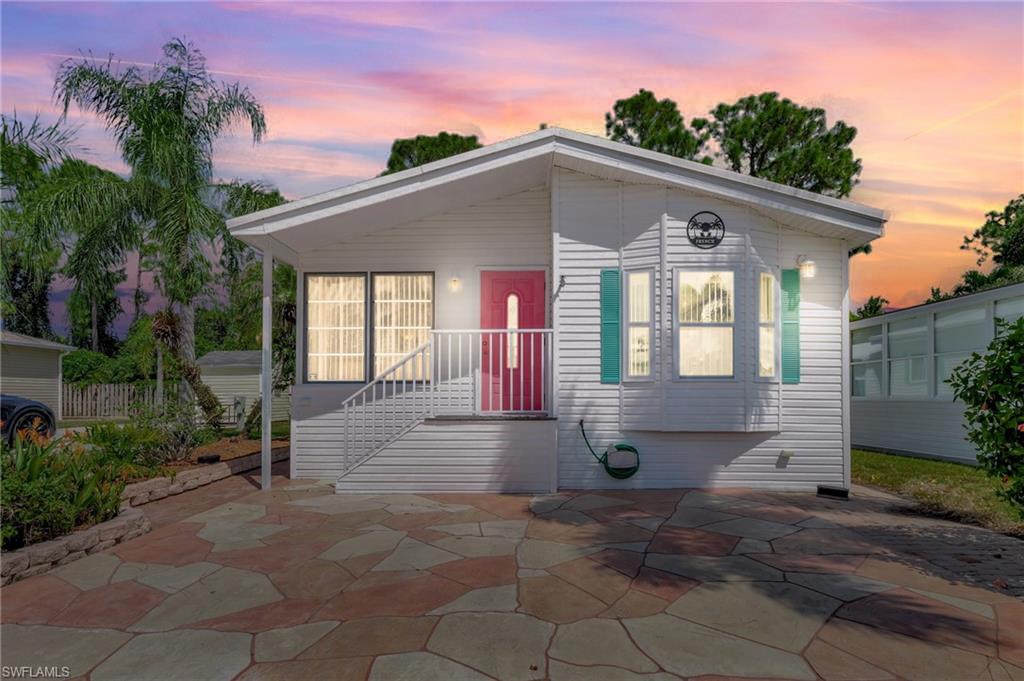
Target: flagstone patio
300,583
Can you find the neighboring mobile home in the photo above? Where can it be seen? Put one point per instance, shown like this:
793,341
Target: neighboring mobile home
458,320
31,367
901,360
234,378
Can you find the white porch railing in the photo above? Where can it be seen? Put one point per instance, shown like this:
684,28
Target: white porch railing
464,372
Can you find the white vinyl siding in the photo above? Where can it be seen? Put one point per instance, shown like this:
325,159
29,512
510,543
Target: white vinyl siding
694,432
33,373
227,383
511,232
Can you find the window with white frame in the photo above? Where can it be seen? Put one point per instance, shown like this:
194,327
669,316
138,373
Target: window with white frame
336,327
908,357
640,324
958,333
767,313
866,360
705,319
403,314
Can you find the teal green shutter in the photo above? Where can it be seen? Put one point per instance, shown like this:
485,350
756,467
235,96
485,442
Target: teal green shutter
611,320
790,326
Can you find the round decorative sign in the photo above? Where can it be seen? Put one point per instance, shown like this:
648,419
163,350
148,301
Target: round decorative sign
705,230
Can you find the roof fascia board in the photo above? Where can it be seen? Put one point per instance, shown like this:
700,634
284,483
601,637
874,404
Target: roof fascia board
716,188
942,306
368,189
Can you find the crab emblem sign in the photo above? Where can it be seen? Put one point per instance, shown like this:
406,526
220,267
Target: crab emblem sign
705,230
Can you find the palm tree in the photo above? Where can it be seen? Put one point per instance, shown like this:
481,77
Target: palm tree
100,244
165,123
29,155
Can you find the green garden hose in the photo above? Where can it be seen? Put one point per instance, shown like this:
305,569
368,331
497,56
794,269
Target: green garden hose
614,471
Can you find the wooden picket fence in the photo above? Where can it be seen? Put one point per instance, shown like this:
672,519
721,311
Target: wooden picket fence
109,400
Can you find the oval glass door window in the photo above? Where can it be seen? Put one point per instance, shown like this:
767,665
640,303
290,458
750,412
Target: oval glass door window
512,322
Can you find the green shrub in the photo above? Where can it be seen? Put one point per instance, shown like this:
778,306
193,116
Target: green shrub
47,490
991,386
177,427
84,366
127,443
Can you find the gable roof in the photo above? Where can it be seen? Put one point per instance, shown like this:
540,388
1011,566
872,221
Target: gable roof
231,358
523,163
21,340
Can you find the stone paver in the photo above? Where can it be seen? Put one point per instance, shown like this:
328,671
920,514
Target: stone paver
713,569
599,642
690,649
560,671
507,646
77,649
489,599
226,591
90,572
754,610
295,583
184,655
540,554
285,643
421,667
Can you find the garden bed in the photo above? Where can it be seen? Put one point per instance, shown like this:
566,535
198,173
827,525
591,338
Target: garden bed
44,556
197,475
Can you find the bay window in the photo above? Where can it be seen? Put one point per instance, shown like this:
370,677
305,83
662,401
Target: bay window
705,320
339,330
640,323
766,316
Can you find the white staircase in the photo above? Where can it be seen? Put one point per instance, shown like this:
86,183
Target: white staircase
455,373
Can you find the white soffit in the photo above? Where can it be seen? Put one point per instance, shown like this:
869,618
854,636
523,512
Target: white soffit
524,163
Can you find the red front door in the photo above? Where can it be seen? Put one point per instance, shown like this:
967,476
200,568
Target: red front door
512,360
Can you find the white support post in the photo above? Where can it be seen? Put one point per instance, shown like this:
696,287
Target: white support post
267,367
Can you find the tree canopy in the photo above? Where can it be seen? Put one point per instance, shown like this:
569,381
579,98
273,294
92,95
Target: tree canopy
411,152
645,121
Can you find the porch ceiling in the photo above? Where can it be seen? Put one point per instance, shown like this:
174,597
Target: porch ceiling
523,163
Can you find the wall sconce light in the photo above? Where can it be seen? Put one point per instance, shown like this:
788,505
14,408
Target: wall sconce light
807,267
455,284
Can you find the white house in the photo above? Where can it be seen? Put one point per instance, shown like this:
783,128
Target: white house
234,378
31,367
458,321
900,362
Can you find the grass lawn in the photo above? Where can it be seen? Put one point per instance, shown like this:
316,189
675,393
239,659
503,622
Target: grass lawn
949,490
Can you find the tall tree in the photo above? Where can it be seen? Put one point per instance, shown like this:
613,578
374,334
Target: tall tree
1001,238
92,313
415,151
29,155
100,242
165,123
872,307
776,139
645,121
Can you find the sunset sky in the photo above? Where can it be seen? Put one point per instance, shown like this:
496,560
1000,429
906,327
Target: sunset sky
935,90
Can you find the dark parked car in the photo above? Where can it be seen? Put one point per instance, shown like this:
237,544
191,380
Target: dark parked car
20,416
